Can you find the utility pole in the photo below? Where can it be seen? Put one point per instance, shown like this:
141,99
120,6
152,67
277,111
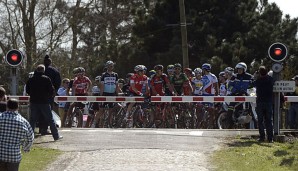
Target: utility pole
183,34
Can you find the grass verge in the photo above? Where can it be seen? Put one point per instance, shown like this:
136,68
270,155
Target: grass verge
248,154
38,158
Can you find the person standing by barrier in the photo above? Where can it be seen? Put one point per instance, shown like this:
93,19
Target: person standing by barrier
40,90
293,109
55,77
3,99
62,91
264,90
14,132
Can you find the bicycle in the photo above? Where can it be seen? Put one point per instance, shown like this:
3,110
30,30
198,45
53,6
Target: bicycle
76,117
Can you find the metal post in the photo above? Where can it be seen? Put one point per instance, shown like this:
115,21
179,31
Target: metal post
276,111
183,34
13,86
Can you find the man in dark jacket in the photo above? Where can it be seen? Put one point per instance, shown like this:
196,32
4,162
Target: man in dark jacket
264,91
40,90
2,99
55,77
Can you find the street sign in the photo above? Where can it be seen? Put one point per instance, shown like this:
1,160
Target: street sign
284,86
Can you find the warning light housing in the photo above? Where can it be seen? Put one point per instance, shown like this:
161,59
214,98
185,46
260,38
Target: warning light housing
278,52
14,57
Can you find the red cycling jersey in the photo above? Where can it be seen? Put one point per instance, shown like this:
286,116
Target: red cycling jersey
80,85
139,82
159,82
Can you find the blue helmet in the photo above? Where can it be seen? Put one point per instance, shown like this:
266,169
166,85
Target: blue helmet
206,67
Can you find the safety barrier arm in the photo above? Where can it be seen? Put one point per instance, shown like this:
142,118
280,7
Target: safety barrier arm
154,99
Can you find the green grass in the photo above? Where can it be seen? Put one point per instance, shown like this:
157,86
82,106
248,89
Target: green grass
247,155
38,158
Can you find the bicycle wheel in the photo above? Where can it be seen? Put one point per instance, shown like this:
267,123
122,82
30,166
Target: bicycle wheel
223,121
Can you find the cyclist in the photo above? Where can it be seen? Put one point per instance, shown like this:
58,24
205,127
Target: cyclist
210,82
125,88
179,80
137,81
210,88
94,106
80,87
223,84
188,90
238,85
170,71
229,72
109,86
197,82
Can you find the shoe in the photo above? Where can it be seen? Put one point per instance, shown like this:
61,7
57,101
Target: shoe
261,140
270,141
59,138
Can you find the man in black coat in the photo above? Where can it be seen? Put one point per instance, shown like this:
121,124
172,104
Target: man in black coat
40,90
264,91
2,99
55,77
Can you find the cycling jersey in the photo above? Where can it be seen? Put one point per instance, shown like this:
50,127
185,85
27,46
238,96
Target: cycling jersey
95,91
139,81
178,82
109,80
208,88
223,89
198,84
80,85
159,82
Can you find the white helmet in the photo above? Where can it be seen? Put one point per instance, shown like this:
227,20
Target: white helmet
241,65
108,63
97,78
198,71
31,74
138,68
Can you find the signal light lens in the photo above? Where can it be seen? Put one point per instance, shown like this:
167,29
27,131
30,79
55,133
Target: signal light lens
14,57
277,51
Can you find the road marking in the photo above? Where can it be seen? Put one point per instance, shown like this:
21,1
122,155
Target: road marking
65,130
196,133
117,130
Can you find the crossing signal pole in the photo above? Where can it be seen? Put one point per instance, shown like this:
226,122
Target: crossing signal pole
14,58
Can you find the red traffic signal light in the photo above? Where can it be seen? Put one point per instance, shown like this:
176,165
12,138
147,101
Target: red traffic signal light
14,57
277,52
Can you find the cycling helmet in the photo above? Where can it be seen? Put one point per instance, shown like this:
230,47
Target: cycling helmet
108,63
158,67
138,68
206,67
170,67
97,78
229,70
30,75
177,65
241,65
129,75
144,67
152,72
187,70
81,70
198,71
121,80
221,74
75,70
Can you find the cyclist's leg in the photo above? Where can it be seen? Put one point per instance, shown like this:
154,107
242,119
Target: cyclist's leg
69,112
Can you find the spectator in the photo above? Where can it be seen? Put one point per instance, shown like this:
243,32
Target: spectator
55,77
2,99
293,109
264,91
14,132
40,90
62,91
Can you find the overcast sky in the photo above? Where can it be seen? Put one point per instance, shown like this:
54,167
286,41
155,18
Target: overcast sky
287,6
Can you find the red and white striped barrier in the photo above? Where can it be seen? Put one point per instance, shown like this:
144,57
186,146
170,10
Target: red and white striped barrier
154,99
